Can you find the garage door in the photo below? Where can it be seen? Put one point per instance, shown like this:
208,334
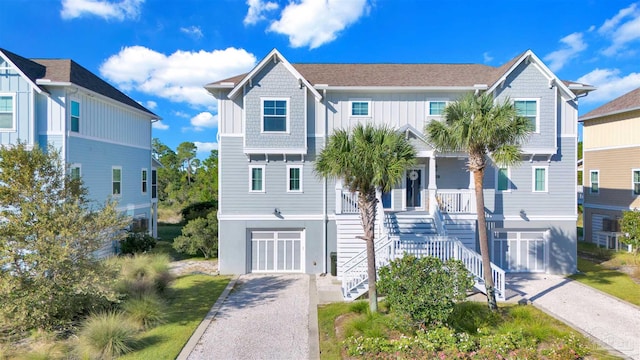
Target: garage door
277,251
519,251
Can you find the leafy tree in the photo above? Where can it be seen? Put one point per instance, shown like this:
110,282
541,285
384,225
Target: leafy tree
199,236
186,155
168,176
48,272
425,289
478,126
367,159
630,228
205,186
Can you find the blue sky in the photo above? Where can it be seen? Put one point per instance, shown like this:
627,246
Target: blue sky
161,52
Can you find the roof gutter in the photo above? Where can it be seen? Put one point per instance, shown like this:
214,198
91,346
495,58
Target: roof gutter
609,113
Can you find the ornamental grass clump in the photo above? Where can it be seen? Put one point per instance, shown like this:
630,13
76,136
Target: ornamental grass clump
106,336
146,311
143,274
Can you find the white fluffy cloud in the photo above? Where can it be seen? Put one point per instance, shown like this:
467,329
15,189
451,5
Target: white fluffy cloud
204,120
610,84
256,11
193,31
621,29
159,125
205,146
178,77
151,105
118,10
487,57
573,45
313,23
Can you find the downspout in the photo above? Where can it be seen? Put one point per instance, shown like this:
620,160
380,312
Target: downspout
325,220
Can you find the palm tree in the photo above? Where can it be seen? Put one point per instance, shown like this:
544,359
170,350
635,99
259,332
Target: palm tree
368,159
478,126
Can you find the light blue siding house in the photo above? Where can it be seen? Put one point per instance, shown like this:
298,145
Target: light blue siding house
103,135
277,215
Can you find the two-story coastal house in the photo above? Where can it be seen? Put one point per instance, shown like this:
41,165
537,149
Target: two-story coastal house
103,135
277,215
611,135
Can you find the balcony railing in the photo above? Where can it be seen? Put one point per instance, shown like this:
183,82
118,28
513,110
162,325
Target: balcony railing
456,201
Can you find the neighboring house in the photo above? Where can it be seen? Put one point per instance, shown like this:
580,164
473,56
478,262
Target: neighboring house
611,135
102,135
277,215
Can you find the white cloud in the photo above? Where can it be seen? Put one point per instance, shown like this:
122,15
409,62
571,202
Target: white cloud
151,105
119,10
193,31
609,83
178,77
256,11
204,120
316,22
205,146
159,125
621,29
487,57
181,114
573,45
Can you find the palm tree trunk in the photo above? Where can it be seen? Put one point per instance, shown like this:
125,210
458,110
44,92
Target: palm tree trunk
478,176
367,204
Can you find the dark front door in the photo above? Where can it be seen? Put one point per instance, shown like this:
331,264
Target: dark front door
414,185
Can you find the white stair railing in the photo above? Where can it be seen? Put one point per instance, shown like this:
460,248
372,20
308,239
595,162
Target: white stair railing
355,272
349,202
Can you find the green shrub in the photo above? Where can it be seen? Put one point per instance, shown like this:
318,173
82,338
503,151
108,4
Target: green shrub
147,311
424,289
137,242
143,274
359,307
469,316
106,336
199,236
198,210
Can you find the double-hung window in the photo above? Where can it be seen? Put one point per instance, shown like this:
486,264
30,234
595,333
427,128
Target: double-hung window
275,115
294,178
360,108
502,179
635,181
528,108
436,108
75,116
75,172
116,180
540,179
7,112
594,177
256,178
144,180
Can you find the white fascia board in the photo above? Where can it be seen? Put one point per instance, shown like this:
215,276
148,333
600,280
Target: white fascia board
396,88
581,119
258,151
262,63
540,151
14,67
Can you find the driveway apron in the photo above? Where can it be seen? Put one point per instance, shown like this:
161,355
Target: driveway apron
613,323
264,317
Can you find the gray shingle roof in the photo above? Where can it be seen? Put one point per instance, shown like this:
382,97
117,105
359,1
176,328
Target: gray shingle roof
627,102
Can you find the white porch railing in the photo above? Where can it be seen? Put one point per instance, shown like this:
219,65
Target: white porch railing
580,191
456,201
355,272
346,202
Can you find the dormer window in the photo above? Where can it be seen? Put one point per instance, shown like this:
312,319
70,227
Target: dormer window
275,115
528,108
360,108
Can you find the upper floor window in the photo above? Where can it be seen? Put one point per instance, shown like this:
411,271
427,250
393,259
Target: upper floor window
7,112
529,109
294,178
436,108
75,172
144,181
360,107
116,180
540,179
75,116
275,115
502,179
154,184
594,176
635,181
256,178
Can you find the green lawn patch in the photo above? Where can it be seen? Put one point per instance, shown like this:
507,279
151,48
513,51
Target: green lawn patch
612,282
167,233
190,298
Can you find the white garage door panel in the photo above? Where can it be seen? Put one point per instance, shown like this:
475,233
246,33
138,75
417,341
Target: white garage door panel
277,251
519,251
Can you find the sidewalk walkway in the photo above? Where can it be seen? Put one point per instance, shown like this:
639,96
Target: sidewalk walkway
613,323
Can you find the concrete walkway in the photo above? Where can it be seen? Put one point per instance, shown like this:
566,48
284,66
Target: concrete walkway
613,323
264,317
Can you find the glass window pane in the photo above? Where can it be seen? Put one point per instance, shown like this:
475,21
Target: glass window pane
6,121
116,174
275,123
436,107
503,181
256,179
75,109
6,104
540,180
75,124
294,179
116,188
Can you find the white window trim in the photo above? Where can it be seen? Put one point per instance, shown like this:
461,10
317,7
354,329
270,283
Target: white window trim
590,184
546,179
286,99
435,101
508,189
113,180
143,170
289,167
264,185
632,183
537,100
74,166
14,110
71,114
370,110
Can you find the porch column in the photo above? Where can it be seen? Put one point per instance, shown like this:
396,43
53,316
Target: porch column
472,183
379,215
433,187
472,193
338,196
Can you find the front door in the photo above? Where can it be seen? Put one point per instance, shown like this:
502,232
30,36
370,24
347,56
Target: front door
414,189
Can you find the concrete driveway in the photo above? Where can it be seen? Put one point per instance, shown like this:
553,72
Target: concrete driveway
264,317
613,323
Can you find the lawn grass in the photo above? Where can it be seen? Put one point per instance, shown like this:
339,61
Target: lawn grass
612,282
190,299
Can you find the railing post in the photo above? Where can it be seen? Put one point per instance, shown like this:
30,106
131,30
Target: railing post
338,196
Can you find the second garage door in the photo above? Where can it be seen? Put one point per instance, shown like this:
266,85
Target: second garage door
277,251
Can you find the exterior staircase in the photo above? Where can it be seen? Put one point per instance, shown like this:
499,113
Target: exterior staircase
409,225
